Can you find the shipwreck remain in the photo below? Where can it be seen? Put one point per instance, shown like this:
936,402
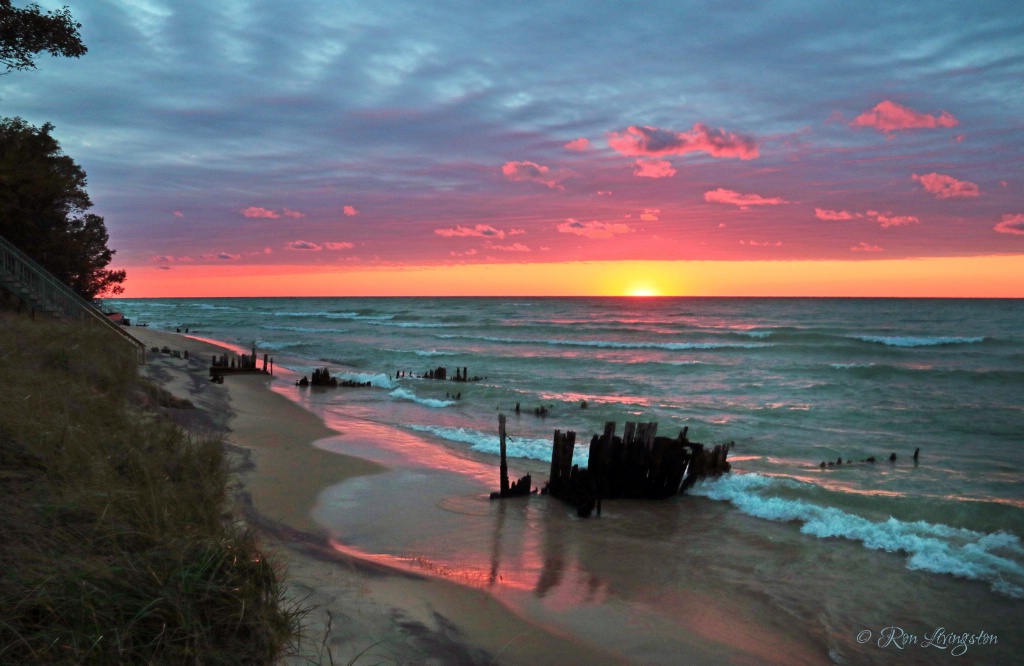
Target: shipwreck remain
637,465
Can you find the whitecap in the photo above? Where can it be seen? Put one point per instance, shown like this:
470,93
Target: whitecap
489,442
918,341
406,394
929,547
380,380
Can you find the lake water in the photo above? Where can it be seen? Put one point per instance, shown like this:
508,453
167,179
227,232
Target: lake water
783,558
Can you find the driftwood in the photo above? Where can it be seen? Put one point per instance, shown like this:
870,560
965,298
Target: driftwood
638,465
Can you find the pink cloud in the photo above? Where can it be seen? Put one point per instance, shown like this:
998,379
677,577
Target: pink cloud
946,187
516,232
531,172
350,211
302,245
650,214
293,213
178,213
467,253
1011,224
864,247
889,220
578,145
654,169
255,211
646,140
514,247
725,196
888,116
339,246
482,230
825,214
604,193
755,243
592,229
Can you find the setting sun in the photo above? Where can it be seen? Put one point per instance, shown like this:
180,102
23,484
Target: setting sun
642,290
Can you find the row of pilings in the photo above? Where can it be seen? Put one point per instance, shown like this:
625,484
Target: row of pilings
637,465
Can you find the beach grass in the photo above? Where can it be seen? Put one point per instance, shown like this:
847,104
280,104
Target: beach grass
117,543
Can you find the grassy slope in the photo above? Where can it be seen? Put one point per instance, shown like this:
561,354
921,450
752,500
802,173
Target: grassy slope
114,542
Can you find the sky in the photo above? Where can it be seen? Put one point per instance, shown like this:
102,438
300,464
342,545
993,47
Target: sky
319,147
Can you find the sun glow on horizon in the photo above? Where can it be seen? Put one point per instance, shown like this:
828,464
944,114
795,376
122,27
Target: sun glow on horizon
997,276
642,291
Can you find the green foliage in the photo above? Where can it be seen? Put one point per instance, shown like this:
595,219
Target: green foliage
24,33
43,206
114,539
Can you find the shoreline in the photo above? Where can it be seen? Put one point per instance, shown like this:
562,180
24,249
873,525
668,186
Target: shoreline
360,608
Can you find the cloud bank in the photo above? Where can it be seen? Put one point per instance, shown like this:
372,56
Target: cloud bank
646,140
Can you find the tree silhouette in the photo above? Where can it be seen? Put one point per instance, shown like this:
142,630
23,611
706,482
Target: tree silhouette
24,33
43,206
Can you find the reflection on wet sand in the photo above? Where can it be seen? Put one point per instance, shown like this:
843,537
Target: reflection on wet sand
553,557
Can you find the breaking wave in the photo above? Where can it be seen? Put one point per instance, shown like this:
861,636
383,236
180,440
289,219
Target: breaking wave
488,442
996,558
405,394
917,341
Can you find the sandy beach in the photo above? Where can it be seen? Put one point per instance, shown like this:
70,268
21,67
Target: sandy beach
361,611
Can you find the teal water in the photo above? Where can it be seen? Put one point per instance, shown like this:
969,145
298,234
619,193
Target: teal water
793,382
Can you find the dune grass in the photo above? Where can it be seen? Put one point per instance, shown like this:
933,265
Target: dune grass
116,541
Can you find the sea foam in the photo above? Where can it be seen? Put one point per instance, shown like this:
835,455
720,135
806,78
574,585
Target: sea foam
406,394
615,344
334,315
488,442
380,380
929,547
918,341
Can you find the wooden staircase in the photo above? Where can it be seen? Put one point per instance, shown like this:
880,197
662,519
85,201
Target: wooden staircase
45,294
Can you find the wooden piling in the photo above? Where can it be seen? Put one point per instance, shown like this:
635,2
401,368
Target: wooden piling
520,488
639,465
504,463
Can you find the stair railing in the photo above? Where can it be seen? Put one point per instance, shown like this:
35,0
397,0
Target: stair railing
30,281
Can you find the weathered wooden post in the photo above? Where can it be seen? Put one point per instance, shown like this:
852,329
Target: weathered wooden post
556,459
503,487
561,458
520,488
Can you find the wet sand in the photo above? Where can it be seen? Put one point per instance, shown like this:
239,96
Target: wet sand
361,611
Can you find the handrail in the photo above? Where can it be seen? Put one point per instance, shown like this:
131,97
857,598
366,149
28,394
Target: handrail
41,285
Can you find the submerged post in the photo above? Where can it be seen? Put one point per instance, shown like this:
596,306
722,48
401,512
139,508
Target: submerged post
504,464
